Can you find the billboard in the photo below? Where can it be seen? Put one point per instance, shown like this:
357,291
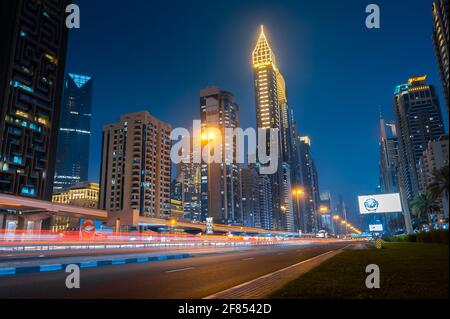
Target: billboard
382,203
376,227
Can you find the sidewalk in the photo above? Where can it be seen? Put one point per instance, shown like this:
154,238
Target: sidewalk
263,286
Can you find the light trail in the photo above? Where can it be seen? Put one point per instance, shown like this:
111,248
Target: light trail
27,241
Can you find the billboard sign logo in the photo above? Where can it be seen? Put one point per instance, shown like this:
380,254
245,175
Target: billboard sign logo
380,203
371,204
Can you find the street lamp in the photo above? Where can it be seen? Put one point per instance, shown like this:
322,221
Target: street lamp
297,193
323,209
209,137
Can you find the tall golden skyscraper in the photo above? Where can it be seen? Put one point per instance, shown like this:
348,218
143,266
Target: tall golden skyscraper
272,112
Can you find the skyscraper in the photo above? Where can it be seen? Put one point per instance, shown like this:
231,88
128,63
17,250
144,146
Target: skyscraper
309,203
75,131
32,59
250,198
136,166
221,182
256,199
272,111
389,168
189,175
435,157
418,120
440,42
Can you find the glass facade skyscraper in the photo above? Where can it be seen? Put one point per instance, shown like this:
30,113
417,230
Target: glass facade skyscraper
32,60
74,132
418,120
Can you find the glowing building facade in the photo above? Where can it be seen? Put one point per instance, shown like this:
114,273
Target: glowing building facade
75,132
221,196
32,60
272,111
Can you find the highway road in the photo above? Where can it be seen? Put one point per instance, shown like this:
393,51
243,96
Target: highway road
190,278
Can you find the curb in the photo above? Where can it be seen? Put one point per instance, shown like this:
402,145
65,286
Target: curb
88,264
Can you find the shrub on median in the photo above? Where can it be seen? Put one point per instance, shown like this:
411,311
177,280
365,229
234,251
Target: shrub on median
436,236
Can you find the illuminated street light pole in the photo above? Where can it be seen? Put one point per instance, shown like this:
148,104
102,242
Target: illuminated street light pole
336,219
209,138
297,193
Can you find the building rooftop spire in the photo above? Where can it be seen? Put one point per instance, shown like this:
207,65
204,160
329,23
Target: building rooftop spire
262,54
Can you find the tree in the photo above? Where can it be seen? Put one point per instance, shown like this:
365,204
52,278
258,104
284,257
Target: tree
439,186
423,204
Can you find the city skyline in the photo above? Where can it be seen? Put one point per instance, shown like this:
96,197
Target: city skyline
231,150
306,65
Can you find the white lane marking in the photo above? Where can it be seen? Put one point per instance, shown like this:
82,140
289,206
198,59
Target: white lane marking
40,256
280,254
250,258
269,274
178,270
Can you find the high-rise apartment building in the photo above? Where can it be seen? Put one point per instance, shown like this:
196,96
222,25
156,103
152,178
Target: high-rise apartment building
221,196
435,157
136,166
72,158
32,60
441,16
418,120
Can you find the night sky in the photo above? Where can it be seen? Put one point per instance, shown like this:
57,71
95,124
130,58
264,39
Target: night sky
156,55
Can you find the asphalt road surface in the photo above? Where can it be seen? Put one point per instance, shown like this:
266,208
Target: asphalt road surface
191,278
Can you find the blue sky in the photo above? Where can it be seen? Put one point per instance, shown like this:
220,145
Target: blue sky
156,55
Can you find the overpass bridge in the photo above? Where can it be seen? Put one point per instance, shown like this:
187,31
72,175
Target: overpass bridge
31,214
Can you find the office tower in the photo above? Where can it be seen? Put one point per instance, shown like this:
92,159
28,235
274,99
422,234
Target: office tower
418,120
435,157
32,59
389,172
440,42
326,220
188,173
256,198
176,200
272,111
250,198
190,176
83,194
72,158
136,166
221,196
307,206
264,202
388,157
